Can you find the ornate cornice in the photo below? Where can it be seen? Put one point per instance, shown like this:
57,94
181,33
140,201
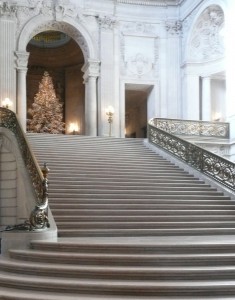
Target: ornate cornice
107,22
174,27
7,10
161,3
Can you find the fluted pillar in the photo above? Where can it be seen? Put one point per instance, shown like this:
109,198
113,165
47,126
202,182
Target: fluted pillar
230,70
7,47
22,62
206,99
91,73
191,88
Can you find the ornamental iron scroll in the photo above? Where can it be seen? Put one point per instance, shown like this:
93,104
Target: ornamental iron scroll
193,128
210,164
38,218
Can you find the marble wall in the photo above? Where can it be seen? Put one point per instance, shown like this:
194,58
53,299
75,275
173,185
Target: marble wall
170,48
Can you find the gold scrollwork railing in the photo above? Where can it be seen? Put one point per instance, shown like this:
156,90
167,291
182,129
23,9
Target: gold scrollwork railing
193,128
212,165
38,218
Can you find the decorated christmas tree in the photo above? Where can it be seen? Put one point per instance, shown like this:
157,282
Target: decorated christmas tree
46,112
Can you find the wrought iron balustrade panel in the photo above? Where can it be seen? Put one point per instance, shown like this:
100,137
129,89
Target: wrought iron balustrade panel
9,120
195,128
212,165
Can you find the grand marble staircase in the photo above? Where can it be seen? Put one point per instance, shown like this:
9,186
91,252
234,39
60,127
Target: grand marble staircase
131,226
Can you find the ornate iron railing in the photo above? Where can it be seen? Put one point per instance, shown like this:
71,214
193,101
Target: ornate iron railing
193,128
210,164
38,218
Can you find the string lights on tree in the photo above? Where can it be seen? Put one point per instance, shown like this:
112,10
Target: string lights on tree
46,112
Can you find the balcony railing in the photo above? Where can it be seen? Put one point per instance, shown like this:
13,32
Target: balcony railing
192,128
210,164
38,218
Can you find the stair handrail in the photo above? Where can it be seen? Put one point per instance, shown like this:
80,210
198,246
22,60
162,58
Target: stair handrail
193,127
210,164
38,218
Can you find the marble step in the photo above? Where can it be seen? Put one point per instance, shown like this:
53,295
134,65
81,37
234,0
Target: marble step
119,272
80,201
57,175
144,225
111,207
120,259
141,218
146,212
118,195
136,187
179,245
132,182
119,232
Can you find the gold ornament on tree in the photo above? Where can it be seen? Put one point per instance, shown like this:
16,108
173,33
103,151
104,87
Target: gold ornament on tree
47,111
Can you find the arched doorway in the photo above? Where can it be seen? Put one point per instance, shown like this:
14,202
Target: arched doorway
58,54
74,29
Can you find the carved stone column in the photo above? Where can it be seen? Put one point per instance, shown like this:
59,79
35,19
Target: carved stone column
91,73
7,47
206,99
22,62
172,86
230,70
108,77
190,106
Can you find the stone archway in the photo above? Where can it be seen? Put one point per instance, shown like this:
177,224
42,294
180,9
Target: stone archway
59,18
59,55
204,59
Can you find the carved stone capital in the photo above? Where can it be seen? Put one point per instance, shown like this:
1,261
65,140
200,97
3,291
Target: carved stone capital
7,10
91,69
173,27
107,22
21,60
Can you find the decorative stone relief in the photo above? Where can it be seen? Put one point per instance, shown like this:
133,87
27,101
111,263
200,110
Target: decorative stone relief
173,27
107,22
91,69
7,10
65,8
139,28
56,11
135,62
206,42
139,64
63,27
21,59
135,36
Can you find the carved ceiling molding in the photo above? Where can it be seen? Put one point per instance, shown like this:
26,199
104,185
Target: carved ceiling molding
140,63
52,14
107,22
66,28
160,3
7,10
206,42
173,27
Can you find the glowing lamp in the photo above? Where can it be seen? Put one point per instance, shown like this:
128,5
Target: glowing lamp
109,112
7,103
73,128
